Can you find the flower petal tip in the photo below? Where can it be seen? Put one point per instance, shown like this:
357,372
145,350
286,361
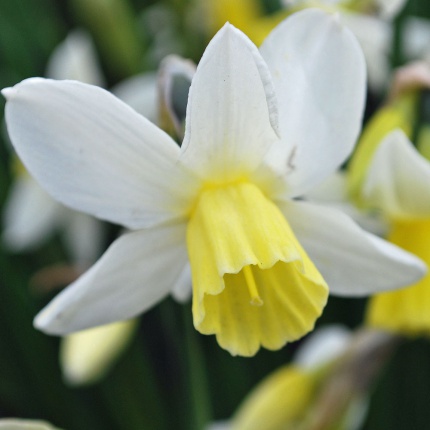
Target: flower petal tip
43,322
8,92
422,268
227,29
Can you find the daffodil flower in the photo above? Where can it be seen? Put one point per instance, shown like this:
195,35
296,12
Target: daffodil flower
261,129
286,398
397,183
282,399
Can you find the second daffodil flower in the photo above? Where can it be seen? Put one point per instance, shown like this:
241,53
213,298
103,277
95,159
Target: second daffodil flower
262,128
397,183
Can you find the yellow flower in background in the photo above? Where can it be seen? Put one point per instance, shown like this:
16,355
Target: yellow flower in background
262,128
399,112
279,402
284,399
86,356
398,184
396,115
246,15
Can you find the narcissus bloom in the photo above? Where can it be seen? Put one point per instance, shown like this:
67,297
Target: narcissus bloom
262,128
289,398
283,399
397,183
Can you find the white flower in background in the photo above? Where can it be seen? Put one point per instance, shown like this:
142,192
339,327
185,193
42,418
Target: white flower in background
76,58
31,214
389,9
415,41
21,424
397,183
261,129
140,92
371,23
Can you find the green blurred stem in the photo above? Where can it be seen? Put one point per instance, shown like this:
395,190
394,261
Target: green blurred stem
197,376
113,25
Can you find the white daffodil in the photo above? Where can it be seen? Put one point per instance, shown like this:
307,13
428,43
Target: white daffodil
397,183
261,129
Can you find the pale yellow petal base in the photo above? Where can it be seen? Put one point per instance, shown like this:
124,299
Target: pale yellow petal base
279,402
253,284
386,120
86,356
406,311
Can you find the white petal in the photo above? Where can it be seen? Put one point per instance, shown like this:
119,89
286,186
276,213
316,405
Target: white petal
322,346
30,215
375,37
76,58
231,112
353,262
319,74
137,271
94,153
334,192
140,92
182,290
334,189
219,425
86,356
388,9
415,37
398,179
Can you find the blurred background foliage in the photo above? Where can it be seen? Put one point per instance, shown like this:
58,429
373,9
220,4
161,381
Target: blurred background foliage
170,376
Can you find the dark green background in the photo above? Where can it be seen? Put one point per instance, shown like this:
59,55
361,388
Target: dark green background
170,377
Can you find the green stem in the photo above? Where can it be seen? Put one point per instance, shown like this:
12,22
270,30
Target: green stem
197,376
